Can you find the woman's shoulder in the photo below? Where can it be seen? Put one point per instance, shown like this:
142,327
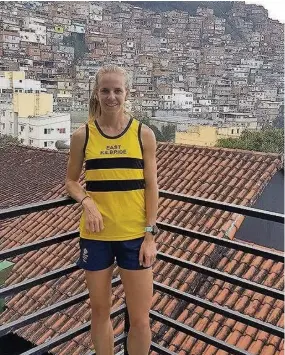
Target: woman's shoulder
147,134
79,135
80,131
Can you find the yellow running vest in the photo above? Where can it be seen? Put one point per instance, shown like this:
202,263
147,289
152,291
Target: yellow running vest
115,181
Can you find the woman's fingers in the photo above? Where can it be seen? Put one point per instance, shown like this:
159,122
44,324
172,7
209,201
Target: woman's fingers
147,260
94,223
101,224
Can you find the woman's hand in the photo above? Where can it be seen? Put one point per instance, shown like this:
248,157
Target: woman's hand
148,251
93,217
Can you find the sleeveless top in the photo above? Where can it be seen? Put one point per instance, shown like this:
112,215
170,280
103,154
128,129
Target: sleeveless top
115,181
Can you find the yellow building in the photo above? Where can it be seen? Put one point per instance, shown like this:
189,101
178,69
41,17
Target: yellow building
32,104
64,93
64,88
58,29
207,135
14,75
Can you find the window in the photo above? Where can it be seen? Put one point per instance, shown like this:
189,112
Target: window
31,129
45,144
61,130
232,131
31,141
22,128
47,131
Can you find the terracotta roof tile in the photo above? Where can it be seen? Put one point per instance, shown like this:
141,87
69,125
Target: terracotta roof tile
269,350
208,172
281,347
280,322
21,188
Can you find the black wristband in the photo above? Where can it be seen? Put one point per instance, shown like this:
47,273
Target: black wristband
83,199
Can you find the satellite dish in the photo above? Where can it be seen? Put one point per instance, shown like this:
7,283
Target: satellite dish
61,145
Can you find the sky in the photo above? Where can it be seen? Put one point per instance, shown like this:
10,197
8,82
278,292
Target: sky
276,8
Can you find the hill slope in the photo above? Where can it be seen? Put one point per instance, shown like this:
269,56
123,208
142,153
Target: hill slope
220,7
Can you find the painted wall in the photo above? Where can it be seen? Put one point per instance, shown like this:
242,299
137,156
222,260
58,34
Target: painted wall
206,135
27,104
266,233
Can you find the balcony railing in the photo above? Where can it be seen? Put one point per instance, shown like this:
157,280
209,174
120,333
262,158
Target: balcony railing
55,341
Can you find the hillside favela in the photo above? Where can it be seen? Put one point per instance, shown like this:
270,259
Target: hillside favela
205,104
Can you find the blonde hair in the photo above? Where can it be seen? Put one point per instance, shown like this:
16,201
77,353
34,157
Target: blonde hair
94,105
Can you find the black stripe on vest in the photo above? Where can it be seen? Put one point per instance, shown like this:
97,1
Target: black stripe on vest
115,185
114,163
86,137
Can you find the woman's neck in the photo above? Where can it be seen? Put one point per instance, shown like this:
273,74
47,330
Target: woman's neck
112,121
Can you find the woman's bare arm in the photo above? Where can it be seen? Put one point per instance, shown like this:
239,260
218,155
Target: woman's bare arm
150,175
148,249
93,218
74,166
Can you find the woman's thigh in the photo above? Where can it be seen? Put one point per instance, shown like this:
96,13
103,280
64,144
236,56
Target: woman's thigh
100,289
138,287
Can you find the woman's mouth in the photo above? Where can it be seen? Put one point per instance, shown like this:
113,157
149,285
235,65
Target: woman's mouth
111,105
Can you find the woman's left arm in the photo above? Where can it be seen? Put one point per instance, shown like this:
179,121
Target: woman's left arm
148,249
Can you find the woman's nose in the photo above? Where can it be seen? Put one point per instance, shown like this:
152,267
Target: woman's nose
111,95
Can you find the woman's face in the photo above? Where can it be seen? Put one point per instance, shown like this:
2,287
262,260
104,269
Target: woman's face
111,92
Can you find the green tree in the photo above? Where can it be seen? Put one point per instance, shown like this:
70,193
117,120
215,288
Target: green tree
8,140
279,121
167,133
77,41
269,140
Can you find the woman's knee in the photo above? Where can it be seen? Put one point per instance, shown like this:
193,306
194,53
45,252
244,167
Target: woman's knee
101,310
140,323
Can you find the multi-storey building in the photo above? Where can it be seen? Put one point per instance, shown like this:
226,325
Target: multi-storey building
63,44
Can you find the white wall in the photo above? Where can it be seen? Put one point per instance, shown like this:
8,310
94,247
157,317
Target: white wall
33,37
44,131
5,83
25,84
6,118
182,99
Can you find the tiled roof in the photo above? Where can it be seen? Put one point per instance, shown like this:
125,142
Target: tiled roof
27,174
237,263
221,174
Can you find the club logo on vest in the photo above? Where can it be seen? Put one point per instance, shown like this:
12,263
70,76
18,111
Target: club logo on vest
113,149
85,255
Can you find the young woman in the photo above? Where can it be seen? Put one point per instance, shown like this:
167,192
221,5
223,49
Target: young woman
119,209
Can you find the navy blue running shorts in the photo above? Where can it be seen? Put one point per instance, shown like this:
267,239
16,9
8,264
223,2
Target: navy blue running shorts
99,255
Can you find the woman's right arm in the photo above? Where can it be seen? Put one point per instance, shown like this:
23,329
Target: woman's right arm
93,217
